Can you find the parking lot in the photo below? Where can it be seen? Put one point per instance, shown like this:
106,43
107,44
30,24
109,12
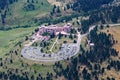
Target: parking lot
34,53
67,50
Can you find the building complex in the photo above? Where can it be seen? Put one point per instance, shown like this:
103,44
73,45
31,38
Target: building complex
50,30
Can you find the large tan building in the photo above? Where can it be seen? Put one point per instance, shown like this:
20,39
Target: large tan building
54,29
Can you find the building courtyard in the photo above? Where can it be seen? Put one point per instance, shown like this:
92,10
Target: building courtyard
66,50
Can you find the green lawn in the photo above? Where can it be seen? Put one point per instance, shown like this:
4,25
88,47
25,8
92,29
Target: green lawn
43,69
17,15
47,48
57,45
9,38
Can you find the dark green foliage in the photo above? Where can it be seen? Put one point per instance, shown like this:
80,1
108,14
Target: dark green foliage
36,30
11,76
114,64
103,47
52,35
26,38
85,25
46,34
5,3
29,7
44,44
74,41
60,36
4,6
87,5
103,15
58,9
92,59
51,20
9,28
68,6
73,31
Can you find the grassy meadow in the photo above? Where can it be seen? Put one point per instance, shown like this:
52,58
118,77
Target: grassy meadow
19,16
115,31
9,38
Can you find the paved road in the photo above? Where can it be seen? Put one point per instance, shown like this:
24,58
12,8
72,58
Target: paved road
67,50
34,53
30,43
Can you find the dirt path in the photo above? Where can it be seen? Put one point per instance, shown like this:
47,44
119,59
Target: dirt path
54,44
54,2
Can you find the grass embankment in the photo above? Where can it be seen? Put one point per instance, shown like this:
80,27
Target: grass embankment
9,38
58,44
47,48
18,15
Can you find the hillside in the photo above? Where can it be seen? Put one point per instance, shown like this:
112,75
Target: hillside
23,12
76,40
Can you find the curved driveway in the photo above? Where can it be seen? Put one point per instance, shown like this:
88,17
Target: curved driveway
67,50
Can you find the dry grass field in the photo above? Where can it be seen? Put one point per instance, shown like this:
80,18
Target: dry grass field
112,74
59,2
54,2
115,31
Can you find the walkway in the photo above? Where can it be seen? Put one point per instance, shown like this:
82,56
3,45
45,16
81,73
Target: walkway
54,44
67,50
